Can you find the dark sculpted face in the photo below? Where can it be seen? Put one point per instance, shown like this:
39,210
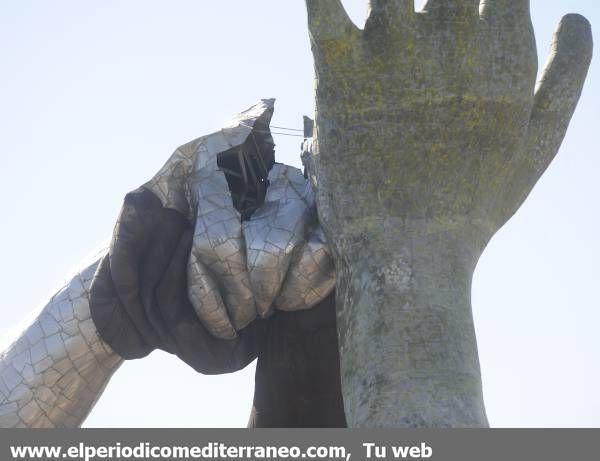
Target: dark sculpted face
247,169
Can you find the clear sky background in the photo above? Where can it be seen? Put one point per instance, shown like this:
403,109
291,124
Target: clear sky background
94,97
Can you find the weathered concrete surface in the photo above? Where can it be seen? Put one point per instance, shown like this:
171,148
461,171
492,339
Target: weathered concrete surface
430,133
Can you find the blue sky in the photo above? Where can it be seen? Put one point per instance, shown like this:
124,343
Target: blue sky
95,95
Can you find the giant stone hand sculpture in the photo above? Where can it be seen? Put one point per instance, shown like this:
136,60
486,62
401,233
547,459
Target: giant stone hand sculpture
430,133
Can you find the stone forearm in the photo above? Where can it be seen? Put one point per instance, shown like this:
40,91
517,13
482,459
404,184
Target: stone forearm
407,343
52,375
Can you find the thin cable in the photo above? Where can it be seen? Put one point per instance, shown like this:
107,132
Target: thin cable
256,130
286,134
288,129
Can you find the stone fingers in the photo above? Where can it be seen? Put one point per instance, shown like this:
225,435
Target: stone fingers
511,44
507,11
388,17
390,10
558,90
556,96
397,6
327,20
453,9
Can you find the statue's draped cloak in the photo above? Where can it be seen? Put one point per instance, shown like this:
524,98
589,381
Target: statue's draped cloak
297,376
160,315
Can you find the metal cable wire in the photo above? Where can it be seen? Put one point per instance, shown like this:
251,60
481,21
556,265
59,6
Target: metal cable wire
284,134
256,130
287,129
